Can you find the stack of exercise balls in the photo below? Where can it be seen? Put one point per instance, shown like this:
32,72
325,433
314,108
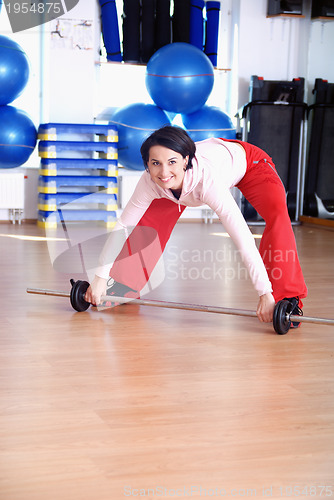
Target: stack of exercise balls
17,131
179,79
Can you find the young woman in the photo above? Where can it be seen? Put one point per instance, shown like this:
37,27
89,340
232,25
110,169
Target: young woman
180,173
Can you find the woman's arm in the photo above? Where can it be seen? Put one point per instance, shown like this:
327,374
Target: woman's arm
140,200
222,202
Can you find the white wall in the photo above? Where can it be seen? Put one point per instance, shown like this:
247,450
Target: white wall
71,71
273,48
320,53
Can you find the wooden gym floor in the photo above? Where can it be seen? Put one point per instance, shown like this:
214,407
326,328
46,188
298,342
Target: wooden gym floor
140,402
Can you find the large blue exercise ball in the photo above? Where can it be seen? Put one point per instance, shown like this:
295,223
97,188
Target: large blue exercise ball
18,137
209,121
135,122
179,78
14,70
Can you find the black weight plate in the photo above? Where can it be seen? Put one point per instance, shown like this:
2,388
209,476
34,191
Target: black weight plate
280,321
77,295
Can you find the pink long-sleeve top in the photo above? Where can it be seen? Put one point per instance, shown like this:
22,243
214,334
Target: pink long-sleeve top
218,166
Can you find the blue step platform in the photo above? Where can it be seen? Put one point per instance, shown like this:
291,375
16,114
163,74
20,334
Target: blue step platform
56,166
55,131
66,201
55,149
78,174
51,185
52,220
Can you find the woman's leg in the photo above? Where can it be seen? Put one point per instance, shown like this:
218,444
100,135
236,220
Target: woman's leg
263,188
145,245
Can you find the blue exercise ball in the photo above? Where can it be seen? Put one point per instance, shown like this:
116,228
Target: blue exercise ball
135,122
179,78
18,137
14,70
209,121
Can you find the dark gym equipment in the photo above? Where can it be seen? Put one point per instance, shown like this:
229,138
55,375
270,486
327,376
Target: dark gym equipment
77,295
319,182
181,21
281,321
162,24
131,31
275,121
282,317
322,8
147,30
291,7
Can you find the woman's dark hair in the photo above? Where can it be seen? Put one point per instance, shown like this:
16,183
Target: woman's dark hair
171,137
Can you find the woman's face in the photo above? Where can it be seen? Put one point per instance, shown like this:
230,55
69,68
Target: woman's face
166,167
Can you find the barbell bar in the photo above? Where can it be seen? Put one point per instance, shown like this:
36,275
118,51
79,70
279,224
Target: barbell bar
281,320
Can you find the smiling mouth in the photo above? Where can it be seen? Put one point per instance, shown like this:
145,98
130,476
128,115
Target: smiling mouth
166,179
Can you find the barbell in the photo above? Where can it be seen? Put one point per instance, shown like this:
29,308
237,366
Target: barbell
282,317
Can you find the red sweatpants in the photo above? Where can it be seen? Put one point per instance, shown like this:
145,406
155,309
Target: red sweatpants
146,243
263,188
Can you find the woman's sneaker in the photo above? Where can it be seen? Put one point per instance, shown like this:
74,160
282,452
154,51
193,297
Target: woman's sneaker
295,310
120,290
